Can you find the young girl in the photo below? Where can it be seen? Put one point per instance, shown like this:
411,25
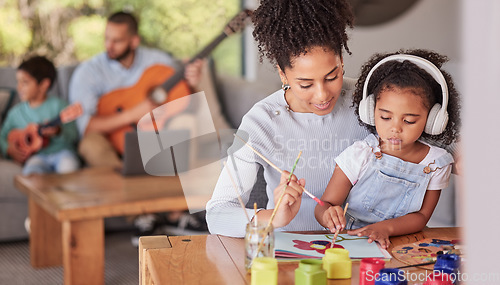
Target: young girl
392,179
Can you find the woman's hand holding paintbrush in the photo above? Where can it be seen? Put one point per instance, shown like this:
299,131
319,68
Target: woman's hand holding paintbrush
292,198
290,192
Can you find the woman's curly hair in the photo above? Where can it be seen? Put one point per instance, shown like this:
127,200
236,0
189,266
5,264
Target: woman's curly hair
408,75
285,29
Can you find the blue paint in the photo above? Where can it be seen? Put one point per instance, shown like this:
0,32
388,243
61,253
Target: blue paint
437,243
447,263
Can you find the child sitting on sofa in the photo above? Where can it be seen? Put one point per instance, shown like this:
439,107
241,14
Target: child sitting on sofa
41,149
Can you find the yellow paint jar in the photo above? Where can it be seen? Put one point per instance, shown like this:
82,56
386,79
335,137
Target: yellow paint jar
264,271
337,263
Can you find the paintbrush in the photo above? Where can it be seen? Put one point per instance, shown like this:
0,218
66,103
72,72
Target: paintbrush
237,194
279,170
416,265
427,263
255,215
277,206
338,231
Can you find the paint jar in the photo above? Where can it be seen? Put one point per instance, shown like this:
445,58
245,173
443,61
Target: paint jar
310,272
391,276
255,234
264,271
337,263
369,269
438,278
447,263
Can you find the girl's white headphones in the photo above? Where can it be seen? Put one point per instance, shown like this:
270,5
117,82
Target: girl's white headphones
438,116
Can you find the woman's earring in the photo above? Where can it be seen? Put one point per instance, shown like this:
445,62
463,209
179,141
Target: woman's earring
285,87
343,70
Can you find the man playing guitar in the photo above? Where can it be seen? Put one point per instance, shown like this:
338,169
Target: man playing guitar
121,66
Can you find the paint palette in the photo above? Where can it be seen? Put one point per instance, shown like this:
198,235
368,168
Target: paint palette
424,251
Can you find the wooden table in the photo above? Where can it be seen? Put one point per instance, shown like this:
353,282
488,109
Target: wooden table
212,259
67,215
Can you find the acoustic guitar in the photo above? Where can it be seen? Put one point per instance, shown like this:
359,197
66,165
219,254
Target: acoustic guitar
31,137
161,84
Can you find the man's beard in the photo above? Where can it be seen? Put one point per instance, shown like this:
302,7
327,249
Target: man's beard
123,55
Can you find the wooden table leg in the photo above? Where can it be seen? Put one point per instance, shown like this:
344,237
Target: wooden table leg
45,238
83,251
147,243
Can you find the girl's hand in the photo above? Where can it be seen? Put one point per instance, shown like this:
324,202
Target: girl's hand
334,218
290,204
374,232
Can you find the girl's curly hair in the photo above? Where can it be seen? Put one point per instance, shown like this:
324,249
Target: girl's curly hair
285,29
408,75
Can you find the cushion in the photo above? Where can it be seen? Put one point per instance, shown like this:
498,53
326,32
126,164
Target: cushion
7,98
207,85
238,95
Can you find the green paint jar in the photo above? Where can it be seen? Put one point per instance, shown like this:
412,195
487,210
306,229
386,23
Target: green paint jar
264,271
310,272
337,263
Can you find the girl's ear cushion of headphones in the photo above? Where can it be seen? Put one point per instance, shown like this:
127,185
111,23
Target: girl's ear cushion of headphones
367,110
436,124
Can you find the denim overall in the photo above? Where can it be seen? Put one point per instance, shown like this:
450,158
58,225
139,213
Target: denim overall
390,188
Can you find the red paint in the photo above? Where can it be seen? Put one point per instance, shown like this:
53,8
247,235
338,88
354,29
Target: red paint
368,270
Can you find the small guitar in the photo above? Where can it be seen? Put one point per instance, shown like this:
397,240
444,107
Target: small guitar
31,138
159,82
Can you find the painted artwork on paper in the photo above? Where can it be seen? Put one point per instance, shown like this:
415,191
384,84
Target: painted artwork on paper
290,245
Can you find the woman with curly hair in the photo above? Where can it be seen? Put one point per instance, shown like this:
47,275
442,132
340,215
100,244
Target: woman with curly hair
312,114
392,179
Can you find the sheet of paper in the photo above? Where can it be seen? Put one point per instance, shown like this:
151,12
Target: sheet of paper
290,245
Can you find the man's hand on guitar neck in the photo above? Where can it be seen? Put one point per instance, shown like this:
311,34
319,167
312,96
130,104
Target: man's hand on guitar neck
192,74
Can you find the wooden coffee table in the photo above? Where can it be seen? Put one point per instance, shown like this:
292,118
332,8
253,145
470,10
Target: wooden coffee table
67,215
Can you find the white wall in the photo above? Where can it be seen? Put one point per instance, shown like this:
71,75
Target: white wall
481,72
429,24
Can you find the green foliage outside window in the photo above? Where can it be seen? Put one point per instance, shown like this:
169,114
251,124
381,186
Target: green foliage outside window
70,31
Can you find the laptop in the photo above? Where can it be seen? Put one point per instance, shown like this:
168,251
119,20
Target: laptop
166,162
